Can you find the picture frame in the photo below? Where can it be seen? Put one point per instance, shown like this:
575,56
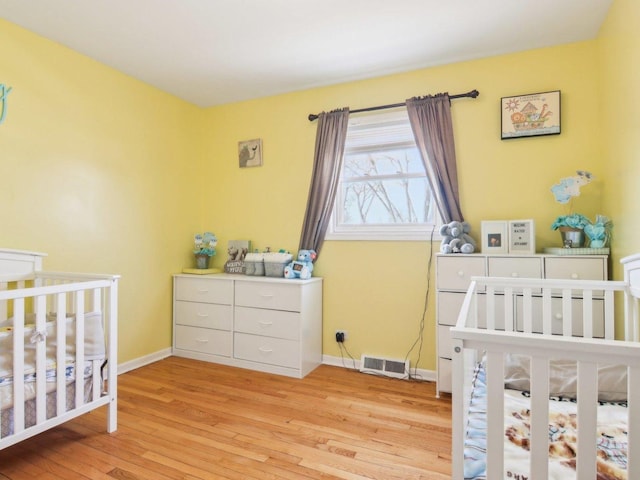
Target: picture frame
495,236
530,115
522,236
250,153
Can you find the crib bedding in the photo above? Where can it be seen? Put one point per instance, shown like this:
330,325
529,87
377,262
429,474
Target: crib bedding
6,414
611,447
6,383
94,349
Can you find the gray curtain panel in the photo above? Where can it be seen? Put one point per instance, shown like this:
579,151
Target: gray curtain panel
327,163
430,119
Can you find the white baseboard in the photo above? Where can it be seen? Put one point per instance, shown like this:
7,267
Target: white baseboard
354,364
142,361
346,362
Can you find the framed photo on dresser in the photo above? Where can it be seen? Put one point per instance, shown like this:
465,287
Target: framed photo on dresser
495,236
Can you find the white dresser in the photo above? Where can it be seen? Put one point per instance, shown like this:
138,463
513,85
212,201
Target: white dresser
453,274
261,323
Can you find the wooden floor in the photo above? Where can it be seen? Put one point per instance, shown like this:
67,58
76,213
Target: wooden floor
184,419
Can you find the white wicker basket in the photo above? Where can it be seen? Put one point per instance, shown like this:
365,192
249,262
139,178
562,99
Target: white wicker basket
274,263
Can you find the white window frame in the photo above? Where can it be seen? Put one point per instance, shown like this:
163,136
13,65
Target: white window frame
418,232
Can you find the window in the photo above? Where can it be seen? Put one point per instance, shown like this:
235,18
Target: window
383,193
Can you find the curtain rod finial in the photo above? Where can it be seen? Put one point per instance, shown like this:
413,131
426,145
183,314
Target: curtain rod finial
312,117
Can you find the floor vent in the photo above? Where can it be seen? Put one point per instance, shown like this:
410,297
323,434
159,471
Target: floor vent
384,366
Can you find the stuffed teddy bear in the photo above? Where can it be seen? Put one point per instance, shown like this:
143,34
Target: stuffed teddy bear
456,238
303,267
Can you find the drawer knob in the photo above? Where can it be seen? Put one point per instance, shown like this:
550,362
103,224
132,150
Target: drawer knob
558,316
514,274
203,315
266,295
265,324
202,340
574,276
460,273
265,350
203,291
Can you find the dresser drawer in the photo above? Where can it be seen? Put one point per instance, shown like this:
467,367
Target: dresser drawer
454,272
203,340
449,305
274,351
576,268
277,296
204,290
444,341
270,323
205,315
444,375
556,316
515,267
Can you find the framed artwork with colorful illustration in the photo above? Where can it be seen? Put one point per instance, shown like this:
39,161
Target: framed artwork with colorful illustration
530,115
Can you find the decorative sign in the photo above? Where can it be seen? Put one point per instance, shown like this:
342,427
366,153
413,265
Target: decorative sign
237,251
4,93
522,236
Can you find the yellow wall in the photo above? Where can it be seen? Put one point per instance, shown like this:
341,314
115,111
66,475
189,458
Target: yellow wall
99,171
106,173
619,49
376,290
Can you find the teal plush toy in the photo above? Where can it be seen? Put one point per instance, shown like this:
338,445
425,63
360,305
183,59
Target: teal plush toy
303,267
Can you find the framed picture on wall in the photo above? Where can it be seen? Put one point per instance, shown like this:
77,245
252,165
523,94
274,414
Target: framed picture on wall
495,236
250,153
522,236
530,115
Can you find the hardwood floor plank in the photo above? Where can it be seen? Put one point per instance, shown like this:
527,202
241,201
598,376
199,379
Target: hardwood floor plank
181,419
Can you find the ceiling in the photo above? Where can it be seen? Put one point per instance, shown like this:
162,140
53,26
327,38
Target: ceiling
211,52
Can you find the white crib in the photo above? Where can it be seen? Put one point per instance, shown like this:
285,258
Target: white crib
509,326
58,346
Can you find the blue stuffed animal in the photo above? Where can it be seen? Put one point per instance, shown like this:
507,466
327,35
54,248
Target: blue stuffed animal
303,267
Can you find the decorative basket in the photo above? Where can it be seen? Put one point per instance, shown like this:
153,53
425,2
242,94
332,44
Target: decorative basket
274,263
254,264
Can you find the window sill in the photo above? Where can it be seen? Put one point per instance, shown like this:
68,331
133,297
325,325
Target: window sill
414,236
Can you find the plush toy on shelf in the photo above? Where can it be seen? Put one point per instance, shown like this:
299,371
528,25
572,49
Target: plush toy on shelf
456,238
302,267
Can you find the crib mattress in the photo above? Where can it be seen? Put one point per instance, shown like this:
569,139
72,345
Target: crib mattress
612,440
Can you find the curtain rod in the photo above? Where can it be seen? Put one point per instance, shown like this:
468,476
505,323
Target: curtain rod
471,94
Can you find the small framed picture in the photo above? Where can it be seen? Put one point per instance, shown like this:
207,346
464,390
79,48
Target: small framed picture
495,237
522,236
530,115
250,153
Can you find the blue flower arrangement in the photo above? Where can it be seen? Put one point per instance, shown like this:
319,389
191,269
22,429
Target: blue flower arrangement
205,244
599,232
575,220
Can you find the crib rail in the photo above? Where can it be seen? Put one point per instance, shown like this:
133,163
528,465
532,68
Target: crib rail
500,316
44,298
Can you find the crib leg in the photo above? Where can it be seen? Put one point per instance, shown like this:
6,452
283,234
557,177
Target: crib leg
112,416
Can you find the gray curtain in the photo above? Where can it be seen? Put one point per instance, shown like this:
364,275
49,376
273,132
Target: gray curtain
327,163
430,119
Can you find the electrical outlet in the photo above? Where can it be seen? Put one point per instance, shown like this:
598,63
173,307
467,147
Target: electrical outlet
341,336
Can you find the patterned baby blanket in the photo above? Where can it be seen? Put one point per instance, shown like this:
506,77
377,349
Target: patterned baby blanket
611,442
